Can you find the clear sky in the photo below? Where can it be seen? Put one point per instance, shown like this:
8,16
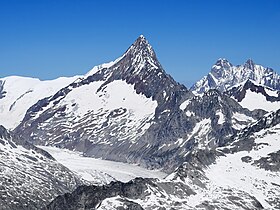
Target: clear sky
52,38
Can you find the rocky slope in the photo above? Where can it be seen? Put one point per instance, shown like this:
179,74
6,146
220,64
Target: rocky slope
150,194
224,75
243,174
30,177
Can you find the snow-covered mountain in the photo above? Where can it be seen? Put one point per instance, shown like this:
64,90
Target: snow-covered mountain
243,174
217,153
131,110
224,75
30,177
254,96
17,94
107,111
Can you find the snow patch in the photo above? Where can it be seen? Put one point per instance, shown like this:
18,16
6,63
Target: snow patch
258,101
184,105
221,117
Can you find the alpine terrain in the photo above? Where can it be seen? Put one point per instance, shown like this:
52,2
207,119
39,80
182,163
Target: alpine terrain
30,177
254,86
17,94
215,146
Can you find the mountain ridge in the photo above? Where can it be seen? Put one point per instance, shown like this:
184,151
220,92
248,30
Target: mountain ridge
224,75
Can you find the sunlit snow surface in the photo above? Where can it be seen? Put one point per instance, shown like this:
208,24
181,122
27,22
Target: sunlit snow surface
100,171
231,171
258,101
20,93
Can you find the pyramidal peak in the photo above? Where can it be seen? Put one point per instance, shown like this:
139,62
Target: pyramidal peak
141,46
139,53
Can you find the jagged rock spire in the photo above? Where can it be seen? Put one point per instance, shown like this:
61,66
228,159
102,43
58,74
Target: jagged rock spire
249,64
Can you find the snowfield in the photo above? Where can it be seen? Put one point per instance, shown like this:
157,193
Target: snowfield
20,93
100,171
231,171
258,101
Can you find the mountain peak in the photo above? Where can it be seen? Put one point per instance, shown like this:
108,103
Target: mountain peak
222,62
141,46
249,64
141,40
224,75
141,37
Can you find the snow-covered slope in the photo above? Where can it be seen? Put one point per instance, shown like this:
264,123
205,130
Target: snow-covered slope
254,96
30,178
216,117
248,168
17,94
244,174
254,167
100,171
224,75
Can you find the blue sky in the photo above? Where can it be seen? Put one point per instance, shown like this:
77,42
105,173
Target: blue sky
52,38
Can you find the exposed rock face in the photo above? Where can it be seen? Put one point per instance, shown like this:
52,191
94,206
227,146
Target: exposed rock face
253,96
224,76
2,92
30,177
136,194
239,92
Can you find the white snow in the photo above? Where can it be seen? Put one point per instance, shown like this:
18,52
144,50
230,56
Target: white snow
179,141
22,93
199,132
227,76
184,105
95,69
242,117
239,118
111,203
271,92
33,177
133,111
221,117
95,170
258,101
189,113
115,95
230,171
